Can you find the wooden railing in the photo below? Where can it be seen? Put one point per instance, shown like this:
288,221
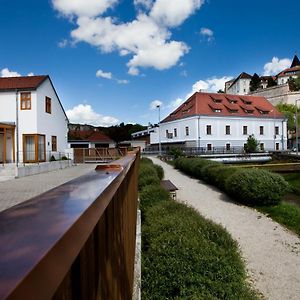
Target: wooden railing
76,241
96,155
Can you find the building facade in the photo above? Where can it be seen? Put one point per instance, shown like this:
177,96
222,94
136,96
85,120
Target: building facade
209,121
239,86
33,123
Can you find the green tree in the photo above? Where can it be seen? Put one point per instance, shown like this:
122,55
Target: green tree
271,82
289,111
294,83
252,144
254,83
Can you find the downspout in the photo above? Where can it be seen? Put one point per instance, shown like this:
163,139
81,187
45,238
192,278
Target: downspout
198,132
17,128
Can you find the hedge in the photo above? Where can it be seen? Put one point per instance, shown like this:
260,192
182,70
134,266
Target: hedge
247,186
185,256
256,187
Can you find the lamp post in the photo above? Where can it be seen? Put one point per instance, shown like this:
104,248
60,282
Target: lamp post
296,103
159,142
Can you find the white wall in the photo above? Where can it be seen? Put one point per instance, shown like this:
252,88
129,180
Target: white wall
241,87
8,107
218,138
54,124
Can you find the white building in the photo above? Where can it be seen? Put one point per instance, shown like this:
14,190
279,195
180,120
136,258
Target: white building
33,123
209,121
240,85
293,71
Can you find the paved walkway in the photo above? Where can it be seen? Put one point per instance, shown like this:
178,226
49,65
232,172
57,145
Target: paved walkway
19,190
271,253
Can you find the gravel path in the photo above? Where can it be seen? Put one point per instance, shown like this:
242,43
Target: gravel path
271,252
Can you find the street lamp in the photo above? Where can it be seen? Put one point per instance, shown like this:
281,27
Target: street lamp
159,142
297,125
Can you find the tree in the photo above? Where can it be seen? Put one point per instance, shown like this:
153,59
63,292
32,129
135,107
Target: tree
252,144
254,83
294,83
289,111
271,82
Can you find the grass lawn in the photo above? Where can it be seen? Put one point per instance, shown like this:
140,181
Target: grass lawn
294,180
285,213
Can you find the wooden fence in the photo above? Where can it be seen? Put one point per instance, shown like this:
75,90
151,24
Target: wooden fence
76,241
97,155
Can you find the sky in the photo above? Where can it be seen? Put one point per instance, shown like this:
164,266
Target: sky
114,61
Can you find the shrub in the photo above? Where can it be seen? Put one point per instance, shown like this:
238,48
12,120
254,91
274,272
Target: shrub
152,194
159,171
52,158
211,173
222,176
147,175
176,152
186,256
205,169
146,160
256,187
64,158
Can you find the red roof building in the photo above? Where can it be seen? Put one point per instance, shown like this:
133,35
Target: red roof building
223,120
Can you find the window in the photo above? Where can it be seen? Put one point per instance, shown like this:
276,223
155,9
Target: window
187,130
277,146
262,146
54,143
48,105
25,101
208,129
34,148
175,132
209,147
261,130
276,130
228,147
167,133
227,129
245,130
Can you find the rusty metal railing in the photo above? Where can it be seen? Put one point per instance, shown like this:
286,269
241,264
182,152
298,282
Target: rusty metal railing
76,241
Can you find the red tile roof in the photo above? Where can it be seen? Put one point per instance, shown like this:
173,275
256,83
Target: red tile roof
21,83
89,136
287,71
230,105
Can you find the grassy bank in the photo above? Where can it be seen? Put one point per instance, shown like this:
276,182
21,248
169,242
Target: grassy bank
185,256
284,213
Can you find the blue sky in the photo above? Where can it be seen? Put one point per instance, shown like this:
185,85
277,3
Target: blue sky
110,60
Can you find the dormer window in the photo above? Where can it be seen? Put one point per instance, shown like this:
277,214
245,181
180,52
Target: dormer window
216,100
232,101
246,101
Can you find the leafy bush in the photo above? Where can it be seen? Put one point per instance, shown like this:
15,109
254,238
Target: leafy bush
159,171
152,194
147,175
176,152
188,257
146,160
64,158
211,173
222,176
52,158
256,187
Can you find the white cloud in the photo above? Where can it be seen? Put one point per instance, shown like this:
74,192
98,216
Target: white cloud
147,38
89,8
209,85
175,13
143,3
122,81
7,73
63,43
102,74
154,104
276,65
207,33
84,114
